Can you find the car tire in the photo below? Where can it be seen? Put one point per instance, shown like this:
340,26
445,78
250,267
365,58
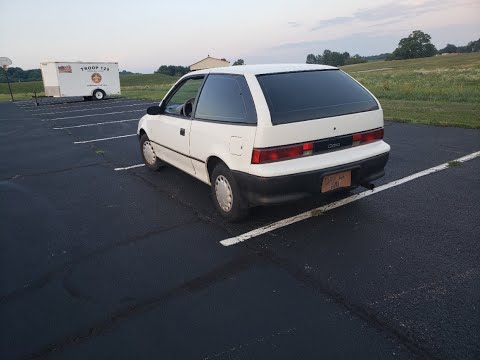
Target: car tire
148,154
226,194
99,94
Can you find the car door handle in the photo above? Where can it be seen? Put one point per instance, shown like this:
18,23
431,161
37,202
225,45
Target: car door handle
182,132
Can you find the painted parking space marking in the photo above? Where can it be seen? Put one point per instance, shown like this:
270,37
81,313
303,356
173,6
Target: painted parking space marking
104,139
325,208
90,115
89,109
76,104
129,167
94,124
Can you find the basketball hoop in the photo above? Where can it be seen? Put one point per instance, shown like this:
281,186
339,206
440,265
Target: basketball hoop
5,63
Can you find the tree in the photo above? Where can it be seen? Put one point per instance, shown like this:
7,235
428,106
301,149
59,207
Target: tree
473,46
416,45
355,59
450,49
172,70
16,74
329,57
311,59
239,62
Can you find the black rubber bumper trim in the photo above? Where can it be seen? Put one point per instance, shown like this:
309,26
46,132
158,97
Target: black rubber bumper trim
272,190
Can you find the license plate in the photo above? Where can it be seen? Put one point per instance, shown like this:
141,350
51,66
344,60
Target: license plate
336,181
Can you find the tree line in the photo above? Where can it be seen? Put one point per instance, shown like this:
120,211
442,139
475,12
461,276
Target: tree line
335,58
16,74
172,70
175,70
416,45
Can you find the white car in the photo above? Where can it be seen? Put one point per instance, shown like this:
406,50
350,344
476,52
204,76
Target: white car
265,134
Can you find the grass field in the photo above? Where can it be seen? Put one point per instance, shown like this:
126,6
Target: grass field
149,86
441,90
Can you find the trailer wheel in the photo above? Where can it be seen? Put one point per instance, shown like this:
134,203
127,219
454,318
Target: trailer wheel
98,94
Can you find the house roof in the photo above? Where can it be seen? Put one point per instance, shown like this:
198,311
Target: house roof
209,57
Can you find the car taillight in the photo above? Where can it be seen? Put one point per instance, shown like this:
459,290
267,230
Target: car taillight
367,137
260,156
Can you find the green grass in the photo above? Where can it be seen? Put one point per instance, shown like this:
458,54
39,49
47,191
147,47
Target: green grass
441,90
21,90
454,163
146,86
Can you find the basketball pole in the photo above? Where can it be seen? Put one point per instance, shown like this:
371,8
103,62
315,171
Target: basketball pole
8,82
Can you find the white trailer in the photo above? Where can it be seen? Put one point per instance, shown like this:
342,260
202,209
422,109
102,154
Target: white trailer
88,79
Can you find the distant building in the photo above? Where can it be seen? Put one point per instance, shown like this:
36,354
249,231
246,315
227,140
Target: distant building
208,63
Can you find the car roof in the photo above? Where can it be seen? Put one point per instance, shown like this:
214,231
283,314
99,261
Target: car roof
263,69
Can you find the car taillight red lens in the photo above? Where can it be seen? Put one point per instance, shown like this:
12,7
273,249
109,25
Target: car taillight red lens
367,137
260,156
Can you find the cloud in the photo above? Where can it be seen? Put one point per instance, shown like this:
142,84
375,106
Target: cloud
363,43
293,24
355,43
388,13
334,21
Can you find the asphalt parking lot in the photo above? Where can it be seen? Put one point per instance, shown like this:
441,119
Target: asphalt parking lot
101,258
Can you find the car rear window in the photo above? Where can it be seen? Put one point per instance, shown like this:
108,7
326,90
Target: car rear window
308,95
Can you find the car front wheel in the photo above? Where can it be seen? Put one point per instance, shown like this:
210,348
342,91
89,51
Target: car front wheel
148,154
226,194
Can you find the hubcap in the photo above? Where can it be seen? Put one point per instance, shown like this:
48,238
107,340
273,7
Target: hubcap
224,194
98,95
149,153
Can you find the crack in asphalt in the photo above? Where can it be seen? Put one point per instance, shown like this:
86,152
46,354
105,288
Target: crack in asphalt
71,290
371,316
49,172
47,277
200,216
260,339
219,274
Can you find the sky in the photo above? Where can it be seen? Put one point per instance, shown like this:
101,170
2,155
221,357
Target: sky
144,34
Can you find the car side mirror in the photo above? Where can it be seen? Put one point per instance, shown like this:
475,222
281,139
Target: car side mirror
154,110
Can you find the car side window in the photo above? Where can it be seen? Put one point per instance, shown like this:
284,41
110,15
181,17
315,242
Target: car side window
181,102
226,98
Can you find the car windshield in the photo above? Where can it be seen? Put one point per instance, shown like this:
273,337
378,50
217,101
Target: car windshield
308,95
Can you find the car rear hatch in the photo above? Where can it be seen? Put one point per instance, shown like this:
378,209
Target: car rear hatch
314,112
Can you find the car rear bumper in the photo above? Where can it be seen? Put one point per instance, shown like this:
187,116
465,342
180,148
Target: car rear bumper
272,190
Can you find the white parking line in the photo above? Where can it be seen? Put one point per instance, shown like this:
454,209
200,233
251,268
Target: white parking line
77,104
90,115
95,124
96,108
323,209
104,139
129,167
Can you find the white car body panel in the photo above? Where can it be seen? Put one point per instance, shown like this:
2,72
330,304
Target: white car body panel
215,139
169,144
320,161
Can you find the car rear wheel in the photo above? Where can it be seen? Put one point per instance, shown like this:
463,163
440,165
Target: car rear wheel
148,154
99,94
226,194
